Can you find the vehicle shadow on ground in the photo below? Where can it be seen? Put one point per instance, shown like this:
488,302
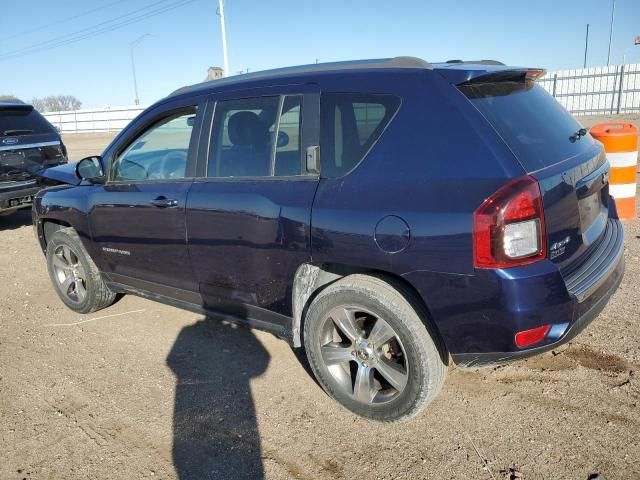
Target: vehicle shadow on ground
215,433
19,219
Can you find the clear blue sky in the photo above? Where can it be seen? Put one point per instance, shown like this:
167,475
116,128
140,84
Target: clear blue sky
272,33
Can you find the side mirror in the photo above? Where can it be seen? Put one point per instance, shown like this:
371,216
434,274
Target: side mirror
90,169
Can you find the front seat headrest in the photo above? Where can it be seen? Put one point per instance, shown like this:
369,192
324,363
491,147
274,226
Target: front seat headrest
245,128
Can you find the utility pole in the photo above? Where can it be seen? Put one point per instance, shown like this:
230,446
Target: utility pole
586,46
613,10
132,45
224,37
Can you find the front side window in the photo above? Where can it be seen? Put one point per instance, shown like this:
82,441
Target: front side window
160,153
256,137
350,124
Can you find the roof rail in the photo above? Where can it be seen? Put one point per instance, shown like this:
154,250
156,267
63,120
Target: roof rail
395,62
476,62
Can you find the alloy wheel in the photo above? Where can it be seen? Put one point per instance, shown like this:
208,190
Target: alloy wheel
364,355
69,274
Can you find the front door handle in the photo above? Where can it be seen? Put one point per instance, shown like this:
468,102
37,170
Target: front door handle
164,202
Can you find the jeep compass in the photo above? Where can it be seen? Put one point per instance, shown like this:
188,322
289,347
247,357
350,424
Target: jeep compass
389,216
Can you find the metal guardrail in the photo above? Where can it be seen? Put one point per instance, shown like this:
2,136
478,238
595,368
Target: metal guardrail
596,90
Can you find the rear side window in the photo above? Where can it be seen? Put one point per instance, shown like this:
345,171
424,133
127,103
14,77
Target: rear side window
350,124
530,121
22,120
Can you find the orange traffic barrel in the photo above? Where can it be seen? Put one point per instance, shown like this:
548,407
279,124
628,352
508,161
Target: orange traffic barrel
621,145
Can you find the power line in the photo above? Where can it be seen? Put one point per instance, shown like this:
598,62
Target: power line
91,28
61,21
108,26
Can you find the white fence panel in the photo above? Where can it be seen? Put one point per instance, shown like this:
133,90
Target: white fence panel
95,120
596,90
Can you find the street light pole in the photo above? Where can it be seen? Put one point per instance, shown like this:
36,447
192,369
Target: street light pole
586,46
133,64
224,37
613,10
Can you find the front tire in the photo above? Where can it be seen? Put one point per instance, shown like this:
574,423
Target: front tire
75,277
370,349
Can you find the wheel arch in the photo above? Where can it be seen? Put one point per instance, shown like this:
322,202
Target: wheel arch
311,278
47,227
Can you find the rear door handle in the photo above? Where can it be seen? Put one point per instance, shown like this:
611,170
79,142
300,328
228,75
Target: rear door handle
164,202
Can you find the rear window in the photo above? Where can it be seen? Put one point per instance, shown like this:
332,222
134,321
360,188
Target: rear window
350,125
530,121
22,120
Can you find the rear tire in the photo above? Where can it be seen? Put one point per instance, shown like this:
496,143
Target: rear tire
75,277
370,349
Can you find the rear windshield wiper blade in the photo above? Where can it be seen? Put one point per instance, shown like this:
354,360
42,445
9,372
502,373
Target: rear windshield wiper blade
579,134
17,131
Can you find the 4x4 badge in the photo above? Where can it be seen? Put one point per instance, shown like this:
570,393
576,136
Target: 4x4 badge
558,248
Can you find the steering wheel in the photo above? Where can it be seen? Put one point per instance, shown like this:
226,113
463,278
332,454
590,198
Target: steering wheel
173,165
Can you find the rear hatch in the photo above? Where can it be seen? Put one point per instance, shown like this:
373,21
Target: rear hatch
28,144
553,147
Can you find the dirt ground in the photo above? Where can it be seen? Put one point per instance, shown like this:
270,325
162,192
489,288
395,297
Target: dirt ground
143,390
80,145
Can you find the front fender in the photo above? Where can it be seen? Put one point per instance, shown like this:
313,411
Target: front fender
65,205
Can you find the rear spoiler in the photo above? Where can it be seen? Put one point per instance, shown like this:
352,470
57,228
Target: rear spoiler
22,107
491,75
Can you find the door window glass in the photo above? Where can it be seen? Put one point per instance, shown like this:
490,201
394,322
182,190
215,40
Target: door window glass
160,153
256,137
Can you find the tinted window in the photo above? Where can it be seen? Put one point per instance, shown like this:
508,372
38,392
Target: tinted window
350,124
160,153
22,120
531,122
256,137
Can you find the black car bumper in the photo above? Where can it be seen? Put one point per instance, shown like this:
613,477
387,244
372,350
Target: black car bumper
18,195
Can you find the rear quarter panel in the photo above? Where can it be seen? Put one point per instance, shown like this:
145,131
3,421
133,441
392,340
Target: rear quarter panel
433,166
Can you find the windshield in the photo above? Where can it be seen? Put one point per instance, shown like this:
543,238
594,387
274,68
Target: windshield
530,121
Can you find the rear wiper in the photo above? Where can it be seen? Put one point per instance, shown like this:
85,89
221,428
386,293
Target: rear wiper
578,135
17,131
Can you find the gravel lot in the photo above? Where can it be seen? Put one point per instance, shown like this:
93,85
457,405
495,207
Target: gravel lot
142,390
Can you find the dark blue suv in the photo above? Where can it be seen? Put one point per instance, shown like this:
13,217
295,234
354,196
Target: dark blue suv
387,215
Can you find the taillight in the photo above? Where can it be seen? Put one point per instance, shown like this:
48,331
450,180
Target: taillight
508,228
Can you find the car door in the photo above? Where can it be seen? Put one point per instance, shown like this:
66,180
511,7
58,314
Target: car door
249,212
137,218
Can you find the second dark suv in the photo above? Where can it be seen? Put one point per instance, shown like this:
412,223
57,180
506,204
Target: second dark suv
387,215
28,145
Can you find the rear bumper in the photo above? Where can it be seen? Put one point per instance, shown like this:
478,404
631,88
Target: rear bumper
601,297
478,315
20,195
